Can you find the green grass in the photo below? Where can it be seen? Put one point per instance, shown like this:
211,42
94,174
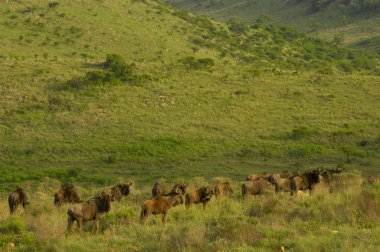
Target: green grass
238,115
354,25
207,101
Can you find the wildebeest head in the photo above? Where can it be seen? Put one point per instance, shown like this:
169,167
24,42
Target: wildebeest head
206,193
271,180
103,202
124,188
175,198
313,176
179,188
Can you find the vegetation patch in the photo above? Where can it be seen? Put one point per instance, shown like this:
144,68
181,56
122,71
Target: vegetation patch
114,71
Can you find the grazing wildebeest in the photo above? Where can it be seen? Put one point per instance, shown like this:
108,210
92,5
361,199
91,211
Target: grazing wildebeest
202,195
66,195
16,198
305,181
179,189
118,191
280,183
222,189
256,187
257,176
159,206
158,190
372,180
89,210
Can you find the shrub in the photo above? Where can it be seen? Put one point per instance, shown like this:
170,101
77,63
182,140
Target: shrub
53,5
115,71
116,64
301,132
197,64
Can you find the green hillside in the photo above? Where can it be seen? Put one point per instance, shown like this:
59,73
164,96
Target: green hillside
351,22
226,97
93,93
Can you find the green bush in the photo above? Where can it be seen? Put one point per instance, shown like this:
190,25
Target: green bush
197,64
116,64
115,71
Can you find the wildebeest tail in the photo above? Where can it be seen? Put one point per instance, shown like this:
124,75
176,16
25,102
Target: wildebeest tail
143,213
293,186
11,204
243,190
187,199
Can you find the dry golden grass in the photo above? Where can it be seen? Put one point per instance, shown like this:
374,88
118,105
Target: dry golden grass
346,219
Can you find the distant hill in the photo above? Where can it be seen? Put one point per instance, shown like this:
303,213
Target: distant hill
94,90
351,22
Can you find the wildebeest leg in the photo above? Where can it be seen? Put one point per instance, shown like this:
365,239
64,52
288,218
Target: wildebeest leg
80,224
70,223
12,208
164,218
95,225
204,205
143,216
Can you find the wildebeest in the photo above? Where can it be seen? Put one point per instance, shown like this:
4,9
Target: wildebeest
305,181
16,198
280,182
158,190
89,210
372,180
159,206
223,189
256,176
256,187
202,195
118,191
327,174
66,195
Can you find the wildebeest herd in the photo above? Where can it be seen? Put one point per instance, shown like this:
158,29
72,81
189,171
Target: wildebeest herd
161,201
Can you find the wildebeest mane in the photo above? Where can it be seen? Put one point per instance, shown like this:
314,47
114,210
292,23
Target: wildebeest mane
102,204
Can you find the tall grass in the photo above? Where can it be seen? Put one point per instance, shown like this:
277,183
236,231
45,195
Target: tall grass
345,220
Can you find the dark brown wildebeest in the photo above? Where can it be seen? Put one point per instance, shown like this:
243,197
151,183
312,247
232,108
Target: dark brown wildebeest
66,195
280,183
118,191
158,190
257,176
89,210
256,187
327,174
305,181
202,195
16,198
222,189
159,206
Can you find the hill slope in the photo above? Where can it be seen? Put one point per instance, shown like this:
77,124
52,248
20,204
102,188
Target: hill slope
353,23
216,96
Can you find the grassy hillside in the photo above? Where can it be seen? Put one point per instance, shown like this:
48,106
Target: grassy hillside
195,100
352,23
267,98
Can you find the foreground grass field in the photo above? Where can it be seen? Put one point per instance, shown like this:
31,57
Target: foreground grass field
345,220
